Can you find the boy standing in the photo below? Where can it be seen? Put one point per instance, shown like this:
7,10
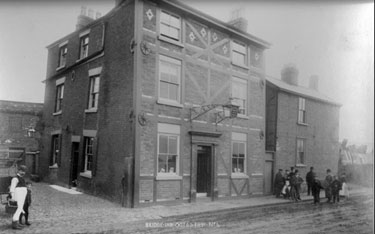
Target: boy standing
315,190
26,205
335,188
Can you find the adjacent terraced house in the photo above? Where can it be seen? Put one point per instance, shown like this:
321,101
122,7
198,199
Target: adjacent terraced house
156,102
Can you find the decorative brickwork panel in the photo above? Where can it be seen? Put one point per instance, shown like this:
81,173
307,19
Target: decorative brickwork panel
256,185
149,17
149,76
168,190
223,186
239,187
146,190
219,87
195,83
196,34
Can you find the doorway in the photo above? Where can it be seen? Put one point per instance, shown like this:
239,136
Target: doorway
204,169
74,164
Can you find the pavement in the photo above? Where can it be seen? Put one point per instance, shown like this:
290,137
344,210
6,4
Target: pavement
59,210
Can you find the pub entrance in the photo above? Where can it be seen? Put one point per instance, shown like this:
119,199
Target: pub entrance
204,169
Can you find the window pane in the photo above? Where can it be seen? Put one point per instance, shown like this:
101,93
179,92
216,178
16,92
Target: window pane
172,147
175,21
163,144
164,29
162,163
174,33
164,90
172,163
240,165
241,149
234,165
173,92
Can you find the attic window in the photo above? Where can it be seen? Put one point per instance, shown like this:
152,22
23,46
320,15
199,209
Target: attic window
170,26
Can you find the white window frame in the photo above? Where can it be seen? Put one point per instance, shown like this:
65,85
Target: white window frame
86,145
59,96
94,93
300,162
168,24
178,63
239,100
302,110
239,138
84,46
169,130
56,149
63,53
237,50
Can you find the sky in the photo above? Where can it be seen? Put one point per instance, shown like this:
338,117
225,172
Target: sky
331,39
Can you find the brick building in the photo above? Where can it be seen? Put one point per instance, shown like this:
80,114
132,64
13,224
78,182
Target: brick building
20,133
136,106
302,126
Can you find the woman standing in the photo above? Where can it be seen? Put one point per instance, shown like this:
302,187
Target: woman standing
18,191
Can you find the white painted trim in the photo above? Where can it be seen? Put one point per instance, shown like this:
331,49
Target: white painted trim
91,110
86,174
56,132
60,81
239,176
236,136
169,128
89,133
76,138
168,177
63,43
84,33
95,71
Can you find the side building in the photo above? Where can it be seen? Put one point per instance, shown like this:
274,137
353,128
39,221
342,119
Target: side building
302,126
137,105
20,134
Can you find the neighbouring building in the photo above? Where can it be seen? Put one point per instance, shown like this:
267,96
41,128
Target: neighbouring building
136,106
20,134
302,125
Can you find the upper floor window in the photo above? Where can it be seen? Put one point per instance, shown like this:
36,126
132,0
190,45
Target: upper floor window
59,94
301,111
84,46
238,152
168,148
63,51
301,151
239,54
94,92
239,94
55,156
170,26
169,79
89,153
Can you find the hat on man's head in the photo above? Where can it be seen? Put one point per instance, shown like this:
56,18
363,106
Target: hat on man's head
22,168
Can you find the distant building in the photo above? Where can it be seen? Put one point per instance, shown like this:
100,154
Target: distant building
136,106
302,125
20,133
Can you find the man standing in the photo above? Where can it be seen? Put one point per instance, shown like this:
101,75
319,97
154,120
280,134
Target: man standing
309,180
327,185
18,193
279,183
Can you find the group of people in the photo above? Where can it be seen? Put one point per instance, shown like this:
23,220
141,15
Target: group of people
288,185
20,194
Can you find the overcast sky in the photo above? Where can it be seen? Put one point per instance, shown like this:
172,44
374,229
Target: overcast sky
334,40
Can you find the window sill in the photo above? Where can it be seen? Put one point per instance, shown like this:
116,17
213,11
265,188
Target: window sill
54,166
59,68
300,165
91,110
239,176
168,176
166,39
241,65
57,113
169,103
86,174
303,124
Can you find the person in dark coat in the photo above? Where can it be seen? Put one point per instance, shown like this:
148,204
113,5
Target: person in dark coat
286,188
293,187
279,183
310,180
327,184
315,190
335,189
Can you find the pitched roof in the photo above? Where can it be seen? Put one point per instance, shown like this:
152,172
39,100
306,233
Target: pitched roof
301,91
21,107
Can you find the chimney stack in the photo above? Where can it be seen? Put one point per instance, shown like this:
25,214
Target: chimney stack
314,82
86,17
238,21
289,74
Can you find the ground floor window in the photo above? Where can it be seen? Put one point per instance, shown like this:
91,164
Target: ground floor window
238,152
89,153
168,148
56,146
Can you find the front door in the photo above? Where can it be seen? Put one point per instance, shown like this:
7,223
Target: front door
74,164
204,169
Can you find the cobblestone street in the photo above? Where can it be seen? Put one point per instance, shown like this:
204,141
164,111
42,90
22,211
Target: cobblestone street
53,211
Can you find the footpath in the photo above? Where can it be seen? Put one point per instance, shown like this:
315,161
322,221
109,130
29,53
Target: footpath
58,210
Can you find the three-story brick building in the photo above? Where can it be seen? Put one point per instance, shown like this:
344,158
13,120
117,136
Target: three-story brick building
136,104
